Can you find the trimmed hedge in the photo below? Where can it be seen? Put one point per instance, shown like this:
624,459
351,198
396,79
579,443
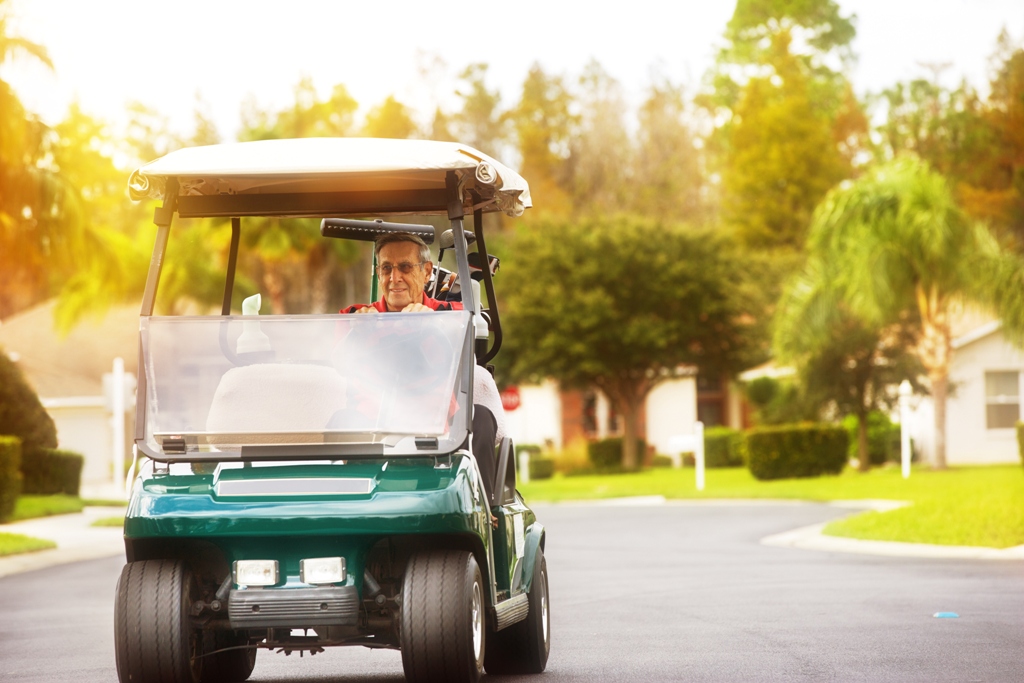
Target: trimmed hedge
47,471
10,475
883,438
805,450
606,455
541,468
723,447
661,461
1020,441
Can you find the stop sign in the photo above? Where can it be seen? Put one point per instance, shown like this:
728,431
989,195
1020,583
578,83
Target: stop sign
510,399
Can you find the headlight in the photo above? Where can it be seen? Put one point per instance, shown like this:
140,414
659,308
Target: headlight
255,572
321,570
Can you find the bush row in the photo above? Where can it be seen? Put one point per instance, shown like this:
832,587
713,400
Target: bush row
806,450
1020,441
10,474
47,471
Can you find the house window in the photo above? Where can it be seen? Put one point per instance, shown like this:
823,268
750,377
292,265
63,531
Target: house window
1002,399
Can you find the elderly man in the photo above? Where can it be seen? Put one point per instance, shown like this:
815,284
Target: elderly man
403,270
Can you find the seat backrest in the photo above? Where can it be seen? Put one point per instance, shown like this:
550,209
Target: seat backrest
271,397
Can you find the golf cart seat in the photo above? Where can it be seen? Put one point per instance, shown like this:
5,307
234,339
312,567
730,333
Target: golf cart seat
270,397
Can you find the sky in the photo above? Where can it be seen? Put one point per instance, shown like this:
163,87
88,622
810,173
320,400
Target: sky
107,53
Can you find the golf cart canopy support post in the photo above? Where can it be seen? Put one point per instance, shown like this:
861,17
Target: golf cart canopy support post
478,225
229,282
162,217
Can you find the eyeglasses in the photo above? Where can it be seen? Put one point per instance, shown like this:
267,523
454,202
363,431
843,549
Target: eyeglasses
384,270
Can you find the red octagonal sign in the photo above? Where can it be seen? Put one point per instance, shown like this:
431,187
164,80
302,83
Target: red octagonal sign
510,399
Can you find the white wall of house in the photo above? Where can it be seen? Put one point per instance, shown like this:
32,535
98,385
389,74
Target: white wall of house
985,400
671,410
83,426
538,419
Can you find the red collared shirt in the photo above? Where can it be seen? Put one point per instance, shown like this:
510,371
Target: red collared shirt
432,304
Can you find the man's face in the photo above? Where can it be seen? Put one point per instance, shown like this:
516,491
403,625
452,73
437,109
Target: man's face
401,289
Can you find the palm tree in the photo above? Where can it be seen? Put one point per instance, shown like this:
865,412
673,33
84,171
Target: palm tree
895,242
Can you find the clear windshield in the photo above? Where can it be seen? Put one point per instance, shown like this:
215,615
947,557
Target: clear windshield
217,384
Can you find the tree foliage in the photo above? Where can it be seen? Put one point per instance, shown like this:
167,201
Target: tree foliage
622,304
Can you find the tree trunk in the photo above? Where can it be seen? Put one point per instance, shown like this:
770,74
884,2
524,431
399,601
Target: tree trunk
934,350
940,388
863,457
630,418
319,280
273,280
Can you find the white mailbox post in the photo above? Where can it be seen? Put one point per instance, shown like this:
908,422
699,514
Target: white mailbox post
905,393
689,443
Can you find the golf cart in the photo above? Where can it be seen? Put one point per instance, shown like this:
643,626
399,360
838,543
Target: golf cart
310,481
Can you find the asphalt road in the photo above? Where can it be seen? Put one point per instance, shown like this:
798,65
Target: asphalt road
659,593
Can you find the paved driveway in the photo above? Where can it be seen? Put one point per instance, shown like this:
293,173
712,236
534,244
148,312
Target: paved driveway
648,593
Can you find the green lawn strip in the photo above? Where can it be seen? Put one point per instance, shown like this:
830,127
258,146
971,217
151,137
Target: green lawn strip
981,506
102,502
14,544
109,521
31,507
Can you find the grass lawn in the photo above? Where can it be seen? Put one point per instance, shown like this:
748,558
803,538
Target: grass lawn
13,544
103,502
30,507
109,521
982,506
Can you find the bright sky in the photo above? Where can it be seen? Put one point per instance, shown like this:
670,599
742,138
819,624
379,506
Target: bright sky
109,52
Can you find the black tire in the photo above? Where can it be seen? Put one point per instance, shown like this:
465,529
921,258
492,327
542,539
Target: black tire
154,641
444,627
231,666
523,648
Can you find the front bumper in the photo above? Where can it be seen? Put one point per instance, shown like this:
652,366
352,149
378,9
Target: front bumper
293,607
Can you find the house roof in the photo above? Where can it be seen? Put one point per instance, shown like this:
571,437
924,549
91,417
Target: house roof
73,365
977,334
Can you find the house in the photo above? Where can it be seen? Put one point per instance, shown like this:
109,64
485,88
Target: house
984,403
549,416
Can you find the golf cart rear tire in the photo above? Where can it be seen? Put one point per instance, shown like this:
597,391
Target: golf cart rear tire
153,638
443,631
523,647
230,666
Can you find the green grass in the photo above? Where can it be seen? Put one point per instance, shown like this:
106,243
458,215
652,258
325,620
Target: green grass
103,502
982,506
30,507
109,521
14,544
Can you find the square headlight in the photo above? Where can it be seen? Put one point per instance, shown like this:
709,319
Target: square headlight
322,570
255,572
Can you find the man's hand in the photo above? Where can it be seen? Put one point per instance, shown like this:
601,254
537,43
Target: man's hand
367,309
415,308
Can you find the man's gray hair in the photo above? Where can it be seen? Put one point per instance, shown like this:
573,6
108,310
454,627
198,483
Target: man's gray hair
392,237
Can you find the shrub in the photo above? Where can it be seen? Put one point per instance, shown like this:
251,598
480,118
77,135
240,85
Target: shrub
21,413
10,474
606,455
572,459
541,467
883,438
722,447
1020,441
660,461
47,471
804,450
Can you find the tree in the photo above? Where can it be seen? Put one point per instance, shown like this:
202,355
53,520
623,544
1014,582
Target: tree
621,304
789,125
668,177
390,119
21,413
601,152
543,123
843,364
480,123
895,240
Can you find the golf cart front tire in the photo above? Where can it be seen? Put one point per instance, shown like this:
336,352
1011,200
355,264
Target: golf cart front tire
153,638
443,627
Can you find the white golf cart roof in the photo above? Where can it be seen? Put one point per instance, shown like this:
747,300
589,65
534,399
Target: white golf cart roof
329,176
